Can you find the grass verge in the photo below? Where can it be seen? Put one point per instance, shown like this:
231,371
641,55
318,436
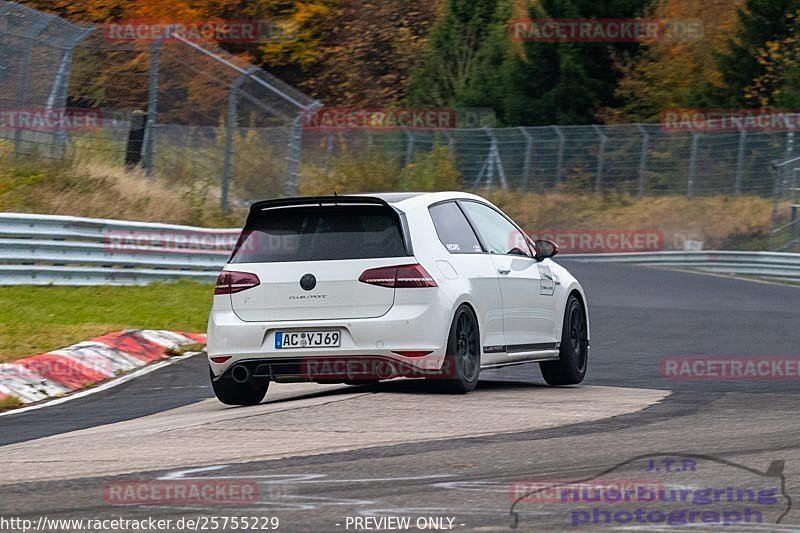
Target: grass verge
98,190
38,319
9,402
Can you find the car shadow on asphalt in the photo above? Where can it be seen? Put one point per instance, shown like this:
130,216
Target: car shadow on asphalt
404,386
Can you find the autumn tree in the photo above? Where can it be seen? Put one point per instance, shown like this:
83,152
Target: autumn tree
679,70
779,85
759,22
368,49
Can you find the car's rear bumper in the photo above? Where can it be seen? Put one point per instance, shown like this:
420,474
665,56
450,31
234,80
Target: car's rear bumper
405,328
336,368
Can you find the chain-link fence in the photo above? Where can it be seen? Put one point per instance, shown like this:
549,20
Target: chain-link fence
194,114
182,110
632,159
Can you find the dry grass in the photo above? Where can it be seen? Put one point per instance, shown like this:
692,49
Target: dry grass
96,189
9,402
718,221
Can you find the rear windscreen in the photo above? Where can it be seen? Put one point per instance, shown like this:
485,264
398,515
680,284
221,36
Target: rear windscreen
320,233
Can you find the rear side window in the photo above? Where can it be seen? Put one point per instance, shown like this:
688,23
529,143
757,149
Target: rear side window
499,235
453,229
320,233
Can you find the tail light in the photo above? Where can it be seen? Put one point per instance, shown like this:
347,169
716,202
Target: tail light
230,282
398,277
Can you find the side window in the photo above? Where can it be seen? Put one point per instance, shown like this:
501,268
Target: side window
499,235
453,229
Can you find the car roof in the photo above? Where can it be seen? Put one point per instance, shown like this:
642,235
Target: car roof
403,201
413,199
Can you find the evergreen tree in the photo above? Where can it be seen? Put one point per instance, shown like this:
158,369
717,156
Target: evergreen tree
461,43
566,82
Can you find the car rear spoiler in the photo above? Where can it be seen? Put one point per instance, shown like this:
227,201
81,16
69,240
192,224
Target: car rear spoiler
317,200
279,203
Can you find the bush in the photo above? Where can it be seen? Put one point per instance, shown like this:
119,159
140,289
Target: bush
379,172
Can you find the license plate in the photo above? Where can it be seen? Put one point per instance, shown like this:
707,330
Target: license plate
307,339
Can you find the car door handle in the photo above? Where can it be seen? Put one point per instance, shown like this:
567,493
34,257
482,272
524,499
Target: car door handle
504,271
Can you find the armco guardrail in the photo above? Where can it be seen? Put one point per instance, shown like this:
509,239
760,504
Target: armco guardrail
782,266
63,250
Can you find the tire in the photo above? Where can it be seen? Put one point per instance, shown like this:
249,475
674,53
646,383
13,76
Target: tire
229,392
462,364
570,369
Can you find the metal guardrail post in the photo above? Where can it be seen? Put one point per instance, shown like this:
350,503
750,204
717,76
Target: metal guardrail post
692,165
643,159
230,129
152,106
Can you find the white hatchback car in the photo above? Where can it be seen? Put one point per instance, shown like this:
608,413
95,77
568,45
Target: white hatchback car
356,289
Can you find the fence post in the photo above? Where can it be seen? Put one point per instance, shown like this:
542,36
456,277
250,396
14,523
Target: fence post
692,165
777,170
409,145
451,143
785,170
152,106
293,156
230,130
526,169
60,91
601,158
24,90
643,158
133,148
329,148
490,160
295,148
737,186
560,157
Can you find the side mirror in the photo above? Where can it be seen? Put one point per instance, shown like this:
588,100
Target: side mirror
545,249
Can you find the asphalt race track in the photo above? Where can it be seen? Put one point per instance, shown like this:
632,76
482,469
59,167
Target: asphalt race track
338,458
